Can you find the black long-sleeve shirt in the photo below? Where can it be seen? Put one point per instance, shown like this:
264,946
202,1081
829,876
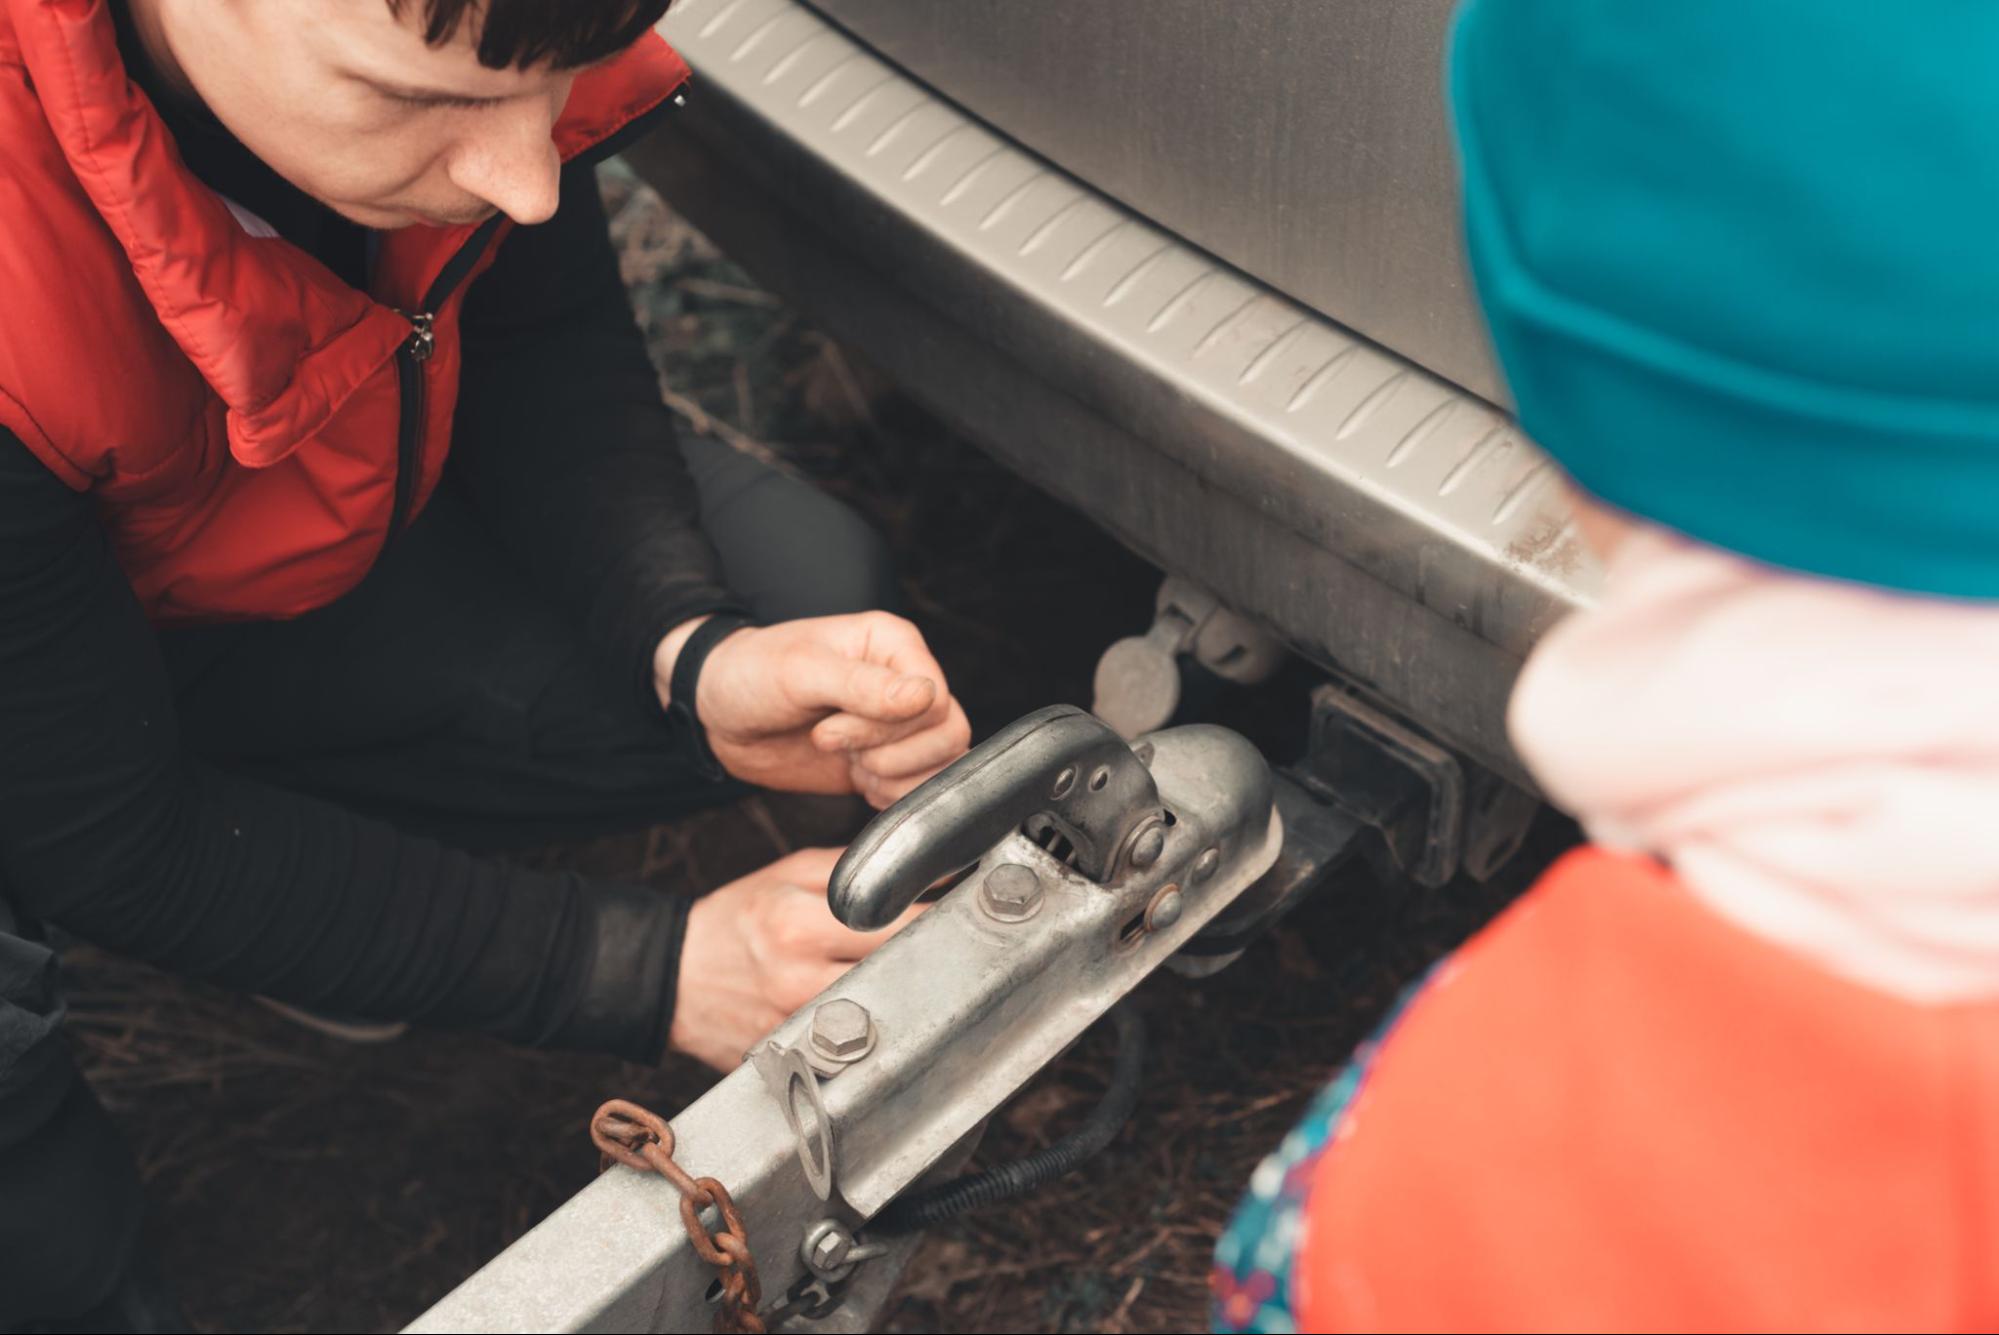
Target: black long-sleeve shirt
111,829
565,449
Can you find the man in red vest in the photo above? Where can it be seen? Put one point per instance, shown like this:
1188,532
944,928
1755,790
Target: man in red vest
341,530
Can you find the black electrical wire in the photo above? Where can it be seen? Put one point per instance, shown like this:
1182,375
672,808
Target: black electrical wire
947,1200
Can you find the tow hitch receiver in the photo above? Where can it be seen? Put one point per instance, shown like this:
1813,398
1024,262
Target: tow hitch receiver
1065,866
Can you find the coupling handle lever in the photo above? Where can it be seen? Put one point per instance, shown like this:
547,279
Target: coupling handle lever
1060,772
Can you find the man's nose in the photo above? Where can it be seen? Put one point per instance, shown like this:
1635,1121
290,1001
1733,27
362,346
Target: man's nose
510,162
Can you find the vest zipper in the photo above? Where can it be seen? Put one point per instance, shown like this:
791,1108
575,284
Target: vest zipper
410,359
416,349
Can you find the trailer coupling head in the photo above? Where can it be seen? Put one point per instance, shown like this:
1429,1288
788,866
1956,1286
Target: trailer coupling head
1065,865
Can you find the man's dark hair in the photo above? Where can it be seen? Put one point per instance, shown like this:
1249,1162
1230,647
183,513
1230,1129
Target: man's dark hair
518,33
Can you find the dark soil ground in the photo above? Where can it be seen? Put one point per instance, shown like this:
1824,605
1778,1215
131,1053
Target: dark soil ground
304,1184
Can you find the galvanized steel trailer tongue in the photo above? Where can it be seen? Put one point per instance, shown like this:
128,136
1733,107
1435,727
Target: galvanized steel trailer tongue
1072,864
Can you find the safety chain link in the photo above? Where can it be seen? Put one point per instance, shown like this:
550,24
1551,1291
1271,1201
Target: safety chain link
637,1138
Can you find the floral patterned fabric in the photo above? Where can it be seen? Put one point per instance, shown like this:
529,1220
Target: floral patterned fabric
1251,1280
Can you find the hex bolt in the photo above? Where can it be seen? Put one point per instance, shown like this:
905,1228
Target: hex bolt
825,1248
1204,866
1146,847
1164,910
1011,892
832,1248
842,1030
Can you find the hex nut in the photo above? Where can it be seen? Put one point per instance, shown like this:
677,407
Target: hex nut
842,1030
825,1249
830,1250
1011,892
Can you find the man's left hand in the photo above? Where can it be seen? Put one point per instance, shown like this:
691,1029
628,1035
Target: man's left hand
841,704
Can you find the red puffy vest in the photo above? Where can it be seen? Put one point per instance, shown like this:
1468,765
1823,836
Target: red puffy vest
252,428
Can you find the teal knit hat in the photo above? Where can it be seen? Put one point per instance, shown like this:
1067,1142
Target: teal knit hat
1740,259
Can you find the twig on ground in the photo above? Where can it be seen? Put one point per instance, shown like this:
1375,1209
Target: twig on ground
707,424
731,292
1115,1323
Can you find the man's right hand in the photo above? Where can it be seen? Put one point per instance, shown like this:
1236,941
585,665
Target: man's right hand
756,950
835,704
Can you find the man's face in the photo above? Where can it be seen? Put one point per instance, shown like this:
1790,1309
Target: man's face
344,100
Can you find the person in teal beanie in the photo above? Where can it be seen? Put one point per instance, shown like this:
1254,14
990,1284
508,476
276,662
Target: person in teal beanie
1738,260
1734,1064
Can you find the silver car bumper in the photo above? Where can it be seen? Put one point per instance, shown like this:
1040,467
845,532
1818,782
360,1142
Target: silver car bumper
1381,520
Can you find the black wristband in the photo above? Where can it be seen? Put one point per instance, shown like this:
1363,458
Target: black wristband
686,679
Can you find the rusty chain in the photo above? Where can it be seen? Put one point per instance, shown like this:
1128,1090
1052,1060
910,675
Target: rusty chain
628,1134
